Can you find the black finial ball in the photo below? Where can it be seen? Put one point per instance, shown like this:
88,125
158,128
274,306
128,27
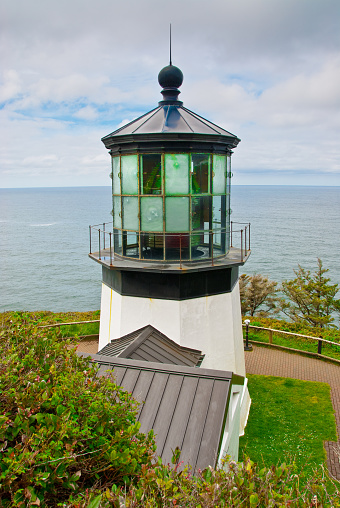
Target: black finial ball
170,77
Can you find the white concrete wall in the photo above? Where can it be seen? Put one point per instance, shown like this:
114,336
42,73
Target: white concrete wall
212,324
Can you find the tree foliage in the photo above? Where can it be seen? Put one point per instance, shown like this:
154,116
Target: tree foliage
63,429
258,295
311,297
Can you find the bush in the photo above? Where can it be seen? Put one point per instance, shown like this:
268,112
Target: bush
242,485
62,429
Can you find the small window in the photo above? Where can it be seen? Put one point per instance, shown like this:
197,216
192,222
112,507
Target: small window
115,175
151,214
219,174
176,173
130,213
151,169
200,170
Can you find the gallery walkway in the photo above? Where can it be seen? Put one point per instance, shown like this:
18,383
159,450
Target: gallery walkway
275,362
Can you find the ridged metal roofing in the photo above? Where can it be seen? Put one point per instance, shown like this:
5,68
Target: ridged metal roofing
171,118
149,344
185,406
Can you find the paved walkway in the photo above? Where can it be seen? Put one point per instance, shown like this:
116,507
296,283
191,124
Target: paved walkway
275,362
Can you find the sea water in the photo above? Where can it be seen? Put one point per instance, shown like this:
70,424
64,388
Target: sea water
44,240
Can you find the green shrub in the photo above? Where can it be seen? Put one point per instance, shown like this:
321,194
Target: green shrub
243,485
62,429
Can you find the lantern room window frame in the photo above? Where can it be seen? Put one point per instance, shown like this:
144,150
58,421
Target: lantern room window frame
153,218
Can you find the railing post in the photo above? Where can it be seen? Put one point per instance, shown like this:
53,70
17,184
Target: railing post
180,251
231,233
249,236
99,243
245,240
212,248
104,234
90,231
319,347
110,235
241,244
270,335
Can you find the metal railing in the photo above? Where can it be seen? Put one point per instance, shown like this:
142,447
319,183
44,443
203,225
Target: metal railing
272,332
245,232
173,247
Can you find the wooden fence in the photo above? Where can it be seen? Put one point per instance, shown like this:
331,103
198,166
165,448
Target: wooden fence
271,331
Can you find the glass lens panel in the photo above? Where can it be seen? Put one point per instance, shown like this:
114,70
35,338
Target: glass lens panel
228,173
176,214
117,240
152,246
129,172
176,173
177,246
130,244
151,174
219,174
219,224
152,214
217,212
117,215
200,207
130,213
115,175
200,248
200,169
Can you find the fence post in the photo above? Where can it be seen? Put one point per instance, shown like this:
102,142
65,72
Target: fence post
249,236
231,233
241,244
99,257
110,235
319,346
104,234
270,335
90,239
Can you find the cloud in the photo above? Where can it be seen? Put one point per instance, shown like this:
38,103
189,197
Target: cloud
268,71
10,87
87,113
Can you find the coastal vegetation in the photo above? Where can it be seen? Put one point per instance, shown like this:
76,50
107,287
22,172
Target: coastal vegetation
69,438
309,299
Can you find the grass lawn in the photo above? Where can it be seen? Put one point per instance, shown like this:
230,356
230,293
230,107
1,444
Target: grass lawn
41,318
288,422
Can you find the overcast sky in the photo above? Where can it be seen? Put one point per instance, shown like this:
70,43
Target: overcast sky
73,71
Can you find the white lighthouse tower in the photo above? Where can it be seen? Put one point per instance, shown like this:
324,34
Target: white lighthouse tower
168,258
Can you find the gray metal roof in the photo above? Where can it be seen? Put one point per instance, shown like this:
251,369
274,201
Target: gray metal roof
169,118
185,406
149,344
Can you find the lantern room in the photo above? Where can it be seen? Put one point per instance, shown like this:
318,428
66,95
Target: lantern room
171,172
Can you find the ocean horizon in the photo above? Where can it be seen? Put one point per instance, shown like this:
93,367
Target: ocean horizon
44,235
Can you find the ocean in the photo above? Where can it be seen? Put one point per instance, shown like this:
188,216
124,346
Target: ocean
44,240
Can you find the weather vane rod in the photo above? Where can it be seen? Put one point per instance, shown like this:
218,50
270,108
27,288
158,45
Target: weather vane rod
170,45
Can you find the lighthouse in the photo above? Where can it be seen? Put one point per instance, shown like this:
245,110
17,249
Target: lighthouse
171,256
